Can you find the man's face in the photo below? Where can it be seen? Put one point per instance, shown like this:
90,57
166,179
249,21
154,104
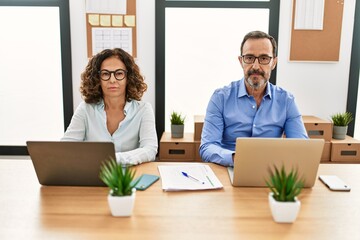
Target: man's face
257,74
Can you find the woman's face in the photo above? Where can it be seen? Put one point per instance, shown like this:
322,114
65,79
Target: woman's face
114,70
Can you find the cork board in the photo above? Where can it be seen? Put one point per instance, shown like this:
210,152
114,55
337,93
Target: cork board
319,45
119,27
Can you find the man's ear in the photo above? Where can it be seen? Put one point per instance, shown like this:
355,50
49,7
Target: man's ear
241,62
274,63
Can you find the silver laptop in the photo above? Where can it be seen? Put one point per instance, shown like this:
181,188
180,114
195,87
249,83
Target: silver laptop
254,156
69,163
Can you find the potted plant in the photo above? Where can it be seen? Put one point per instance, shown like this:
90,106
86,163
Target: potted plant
177,125
122,192
340,124
283,201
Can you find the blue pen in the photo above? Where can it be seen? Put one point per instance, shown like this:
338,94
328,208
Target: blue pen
188,176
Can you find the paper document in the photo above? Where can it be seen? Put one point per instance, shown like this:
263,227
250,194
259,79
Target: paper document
188,177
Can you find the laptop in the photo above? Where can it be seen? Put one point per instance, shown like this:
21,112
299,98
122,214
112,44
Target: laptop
63,163
254,156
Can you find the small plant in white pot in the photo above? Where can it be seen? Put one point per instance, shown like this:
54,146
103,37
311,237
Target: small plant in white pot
340,124
283,201
119,179
177,125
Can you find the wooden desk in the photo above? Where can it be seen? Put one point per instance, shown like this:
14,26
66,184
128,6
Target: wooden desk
30,211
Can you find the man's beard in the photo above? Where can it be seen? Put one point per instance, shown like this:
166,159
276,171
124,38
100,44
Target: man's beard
256,85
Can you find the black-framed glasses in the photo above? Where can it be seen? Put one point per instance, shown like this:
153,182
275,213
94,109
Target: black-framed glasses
119,74
250,59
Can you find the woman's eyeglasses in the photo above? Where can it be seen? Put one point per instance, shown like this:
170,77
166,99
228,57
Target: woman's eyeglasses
119,74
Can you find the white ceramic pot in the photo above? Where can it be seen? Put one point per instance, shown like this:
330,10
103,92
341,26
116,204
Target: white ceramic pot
122,206
284,212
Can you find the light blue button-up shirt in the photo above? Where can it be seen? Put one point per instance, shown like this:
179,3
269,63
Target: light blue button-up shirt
233,113
135,139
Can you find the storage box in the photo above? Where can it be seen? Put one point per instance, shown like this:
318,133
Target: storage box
347,150
326,155
318,128
198,125
177,149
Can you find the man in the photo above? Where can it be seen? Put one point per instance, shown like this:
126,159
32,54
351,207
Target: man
250,107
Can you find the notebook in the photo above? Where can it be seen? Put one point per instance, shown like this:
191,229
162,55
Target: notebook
254,156
69,163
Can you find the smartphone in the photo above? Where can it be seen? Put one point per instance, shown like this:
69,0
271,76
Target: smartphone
334,183
146,180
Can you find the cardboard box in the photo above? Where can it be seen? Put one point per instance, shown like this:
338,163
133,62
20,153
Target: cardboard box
326,155
347,150
318,128
198,125
177,149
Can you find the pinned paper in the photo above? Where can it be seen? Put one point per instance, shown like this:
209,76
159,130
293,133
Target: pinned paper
106,6
94,19
130,20
110,37
309,14
117,21
105,20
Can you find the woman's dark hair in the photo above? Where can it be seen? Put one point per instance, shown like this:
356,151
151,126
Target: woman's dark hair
259,35
91,83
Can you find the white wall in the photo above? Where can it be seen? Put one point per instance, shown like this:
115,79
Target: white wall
320,88
145,11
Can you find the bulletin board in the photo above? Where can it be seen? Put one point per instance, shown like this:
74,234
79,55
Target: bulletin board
107,31
319,45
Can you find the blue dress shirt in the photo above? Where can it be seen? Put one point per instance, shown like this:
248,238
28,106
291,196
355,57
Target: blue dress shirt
135,139
233,113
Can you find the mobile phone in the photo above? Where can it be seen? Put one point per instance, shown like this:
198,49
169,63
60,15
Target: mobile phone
334,183
146,180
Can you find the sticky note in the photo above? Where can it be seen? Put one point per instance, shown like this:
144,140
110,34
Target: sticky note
105,20
130,20
117,21
94,19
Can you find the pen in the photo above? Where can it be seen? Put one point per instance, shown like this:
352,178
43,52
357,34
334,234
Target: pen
188,176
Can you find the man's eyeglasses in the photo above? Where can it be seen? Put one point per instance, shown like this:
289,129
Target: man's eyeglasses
119,74
250,59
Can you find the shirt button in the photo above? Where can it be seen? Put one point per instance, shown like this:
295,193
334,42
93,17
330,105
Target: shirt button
254,125
253,106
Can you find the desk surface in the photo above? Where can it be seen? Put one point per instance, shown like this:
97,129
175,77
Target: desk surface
31,211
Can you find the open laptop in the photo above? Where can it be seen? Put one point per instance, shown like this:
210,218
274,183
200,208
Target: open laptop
254,156
69,163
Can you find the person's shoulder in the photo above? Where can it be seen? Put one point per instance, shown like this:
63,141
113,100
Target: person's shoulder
280,92
228,89
89,106
135,104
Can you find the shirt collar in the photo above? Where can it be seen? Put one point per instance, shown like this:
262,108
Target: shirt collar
243,92
101,105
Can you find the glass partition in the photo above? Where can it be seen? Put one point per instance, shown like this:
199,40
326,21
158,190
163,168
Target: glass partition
202,46
35,76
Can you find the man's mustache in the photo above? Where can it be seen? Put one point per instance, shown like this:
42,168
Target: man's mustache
250,72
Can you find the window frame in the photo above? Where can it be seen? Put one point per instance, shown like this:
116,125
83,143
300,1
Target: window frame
352,97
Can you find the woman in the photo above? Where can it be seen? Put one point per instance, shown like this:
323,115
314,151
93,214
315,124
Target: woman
112,110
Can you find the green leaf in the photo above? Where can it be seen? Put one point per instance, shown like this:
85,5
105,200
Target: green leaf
342,119
285,186
177,118
117,177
